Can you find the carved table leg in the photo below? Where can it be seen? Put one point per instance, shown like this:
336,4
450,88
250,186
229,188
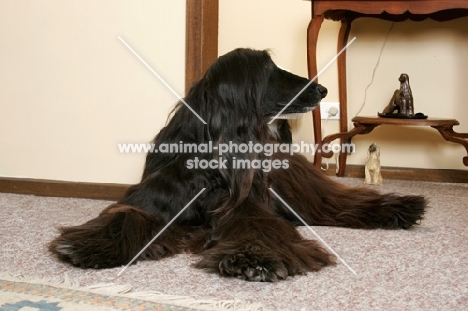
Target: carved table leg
449,134
343,95
312,37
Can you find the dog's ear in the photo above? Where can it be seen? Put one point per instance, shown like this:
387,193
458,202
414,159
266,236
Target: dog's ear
229,99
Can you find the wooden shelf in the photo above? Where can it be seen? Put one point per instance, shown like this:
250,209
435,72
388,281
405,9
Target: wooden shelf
434,122
365,125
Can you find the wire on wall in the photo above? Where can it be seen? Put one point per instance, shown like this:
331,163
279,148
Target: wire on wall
375,68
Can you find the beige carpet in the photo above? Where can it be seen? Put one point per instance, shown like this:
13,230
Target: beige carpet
425,268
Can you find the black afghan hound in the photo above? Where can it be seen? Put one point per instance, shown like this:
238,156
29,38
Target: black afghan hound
237,226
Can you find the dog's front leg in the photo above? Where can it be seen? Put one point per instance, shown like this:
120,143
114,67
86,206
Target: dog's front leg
253,244
123,229
113,238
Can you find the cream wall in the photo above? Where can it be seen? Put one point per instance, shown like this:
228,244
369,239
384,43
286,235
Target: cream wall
71,91
435,55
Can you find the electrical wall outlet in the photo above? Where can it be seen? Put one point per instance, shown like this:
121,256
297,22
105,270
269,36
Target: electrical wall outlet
332,108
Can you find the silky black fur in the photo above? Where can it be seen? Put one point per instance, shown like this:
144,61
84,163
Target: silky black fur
237,227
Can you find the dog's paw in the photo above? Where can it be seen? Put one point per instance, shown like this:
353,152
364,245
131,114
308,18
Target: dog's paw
260,261
253,263
99,243
83,251
66,251
101,252
400,212
113,239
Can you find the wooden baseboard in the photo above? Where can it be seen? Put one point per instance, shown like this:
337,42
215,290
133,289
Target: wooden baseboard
404,173
53,188
113,192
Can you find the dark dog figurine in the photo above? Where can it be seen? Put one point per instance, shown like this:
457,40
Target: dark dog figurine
402,99
237,226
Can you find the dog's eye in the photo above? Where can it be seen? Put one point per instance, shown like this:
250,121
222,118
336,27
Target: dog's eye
270,65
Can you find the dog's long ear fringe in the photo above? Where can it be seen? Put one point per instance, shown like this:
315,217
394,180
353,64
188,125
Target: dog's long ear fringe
233,92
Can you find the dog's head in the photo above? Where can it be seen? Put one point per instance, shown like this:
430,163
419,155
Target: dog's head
250,77
403,78
373,148
290,94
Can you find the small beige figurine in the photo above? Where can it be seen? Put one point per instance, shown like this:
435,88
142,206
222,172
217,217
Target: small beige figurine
372,168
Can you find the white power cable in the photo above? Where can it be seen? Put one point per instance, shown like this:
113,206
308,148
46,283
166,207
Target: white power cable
375,69
333,111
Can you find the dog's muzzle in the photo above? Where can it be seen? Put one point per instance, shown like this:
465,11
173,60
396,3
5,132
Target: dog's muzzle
296,115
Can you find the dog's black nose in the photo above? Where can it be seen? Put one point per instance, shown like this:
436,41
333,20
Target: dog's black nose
322,90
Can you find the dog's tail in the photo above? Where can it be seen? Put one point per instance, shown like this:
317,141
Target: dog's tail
319,200
114,238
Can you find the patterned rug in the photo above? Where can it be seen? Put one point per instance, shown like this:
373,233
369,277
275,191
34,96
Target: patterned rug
18,295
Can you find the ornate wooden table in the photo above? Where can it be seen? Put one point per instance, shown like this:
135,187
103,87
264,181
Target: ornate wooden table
346,11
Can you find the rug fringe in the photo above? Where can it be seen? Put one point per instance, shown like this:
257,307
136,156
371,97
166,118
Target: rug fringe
190,302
